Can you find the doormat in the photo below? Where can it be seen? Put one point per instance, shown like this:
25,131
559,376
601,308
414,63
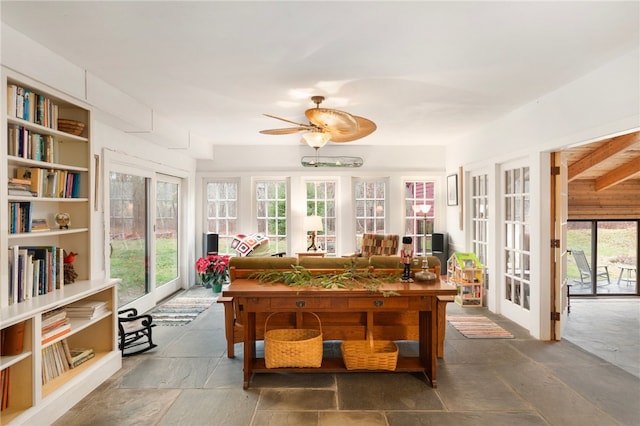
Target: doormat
478,327
183,308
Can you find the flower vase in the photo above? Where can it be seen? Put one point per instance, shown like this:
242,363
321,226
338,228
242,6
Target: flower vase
216,287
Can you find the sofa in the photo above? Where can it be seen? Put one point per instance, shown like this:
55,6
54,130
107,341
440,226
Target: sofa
399,326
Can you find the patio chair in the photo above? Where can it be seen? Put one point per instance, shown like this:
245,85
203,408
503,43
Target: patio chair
585,270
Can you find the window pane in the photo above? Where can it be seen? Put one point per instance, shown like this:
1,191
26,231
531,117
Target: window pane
271,213
222,206
167,197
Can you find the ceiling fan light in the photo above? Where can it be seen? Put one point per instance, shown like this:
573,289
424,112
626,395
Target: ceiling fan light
316,139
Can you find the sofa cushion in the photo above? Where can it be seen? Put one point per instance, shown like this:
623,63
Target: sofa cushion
379,244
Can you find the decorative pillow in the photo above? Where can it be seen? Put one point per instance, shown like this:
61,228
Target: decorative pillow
250,245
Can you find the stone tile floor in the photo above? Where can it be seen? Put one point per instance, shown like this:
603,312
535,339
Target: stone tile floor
188,380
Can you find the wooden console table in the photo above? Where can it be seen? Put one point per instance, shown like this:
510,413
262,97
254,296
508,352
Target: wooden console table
253,298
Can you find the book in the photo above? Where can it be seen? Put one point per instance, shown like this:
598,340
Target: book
56,333
81,355
12,339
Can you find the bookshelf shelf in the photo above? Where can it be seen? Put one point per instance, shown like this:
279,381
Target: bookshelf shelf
26,143
45,234
43,164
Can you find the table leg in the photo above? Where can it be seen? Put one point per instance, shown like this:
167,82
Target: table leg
249,346
620,276
428,344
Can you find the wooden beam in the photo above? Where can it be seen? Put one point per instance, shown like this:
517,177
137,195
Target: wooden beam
612,147
615,176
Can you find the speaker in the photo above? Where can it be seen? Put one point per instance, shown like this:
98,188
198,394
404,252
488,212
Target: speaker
439,242
210,244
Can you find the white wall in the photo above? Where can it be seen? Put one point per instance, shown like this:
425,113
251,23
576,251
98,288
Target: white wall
602,103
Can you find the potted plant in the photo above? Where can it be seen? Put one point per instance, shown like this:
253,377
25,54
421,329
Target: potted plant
213,271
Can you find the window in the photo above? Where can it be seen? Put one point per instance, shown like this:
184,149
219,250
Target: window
222,213
271,212
480,221
370,199
419,220
321,201
517,237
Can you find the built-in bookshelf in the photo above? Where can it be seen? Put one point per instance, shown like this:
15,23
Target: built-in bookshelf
47,175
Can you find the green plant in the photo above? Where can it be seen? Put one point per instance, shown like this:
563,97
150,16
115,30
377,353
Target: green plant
350,278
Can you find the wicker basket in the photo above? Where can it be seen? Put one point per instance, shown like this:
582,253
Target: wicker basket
70,126
292,347
369,354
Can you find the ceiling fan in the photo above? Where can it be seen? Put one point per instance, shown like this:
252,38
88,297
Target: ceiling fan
326,125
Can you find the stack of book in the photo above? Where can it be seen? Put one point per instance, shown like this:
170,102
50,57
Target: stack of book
20,187
55,324
87,309
78,356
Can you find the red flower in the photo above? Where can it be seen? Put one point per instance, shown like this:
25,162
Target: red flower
212,268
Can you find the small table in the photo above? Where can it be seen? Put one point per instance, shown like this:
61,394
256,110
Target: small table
628,269
343,305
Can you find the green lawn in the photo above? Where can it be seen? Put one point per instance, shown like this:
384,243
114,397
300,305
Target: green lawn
128,264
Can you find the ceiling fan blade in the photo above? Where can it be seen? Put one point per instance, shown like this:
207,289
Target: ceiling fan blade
284,131
365,128
332,121
306,126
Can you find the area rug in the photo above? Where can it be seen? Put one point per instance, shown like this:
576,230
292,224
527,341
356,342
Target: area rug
478,327
183,308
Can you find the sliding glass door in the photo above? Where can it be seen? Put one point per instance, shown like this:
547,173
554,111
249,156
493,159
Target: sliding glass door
144,235
604,257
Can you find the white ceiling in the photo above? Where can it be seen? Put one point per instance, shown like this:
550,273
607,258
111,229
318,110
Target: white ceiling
425,72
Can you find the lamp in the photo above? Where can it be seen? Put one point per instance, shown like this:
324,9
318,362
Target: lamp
312,224
423,209
316,139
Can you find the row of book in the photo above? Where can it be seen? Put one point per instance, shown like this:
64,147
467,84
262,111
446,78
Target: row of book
20,217
50,183
24,143
34,271
28,105
59,358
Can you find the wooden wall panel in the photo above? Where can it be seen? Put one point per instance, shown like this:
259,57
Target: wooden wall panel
621,201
